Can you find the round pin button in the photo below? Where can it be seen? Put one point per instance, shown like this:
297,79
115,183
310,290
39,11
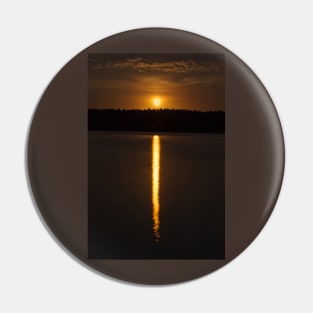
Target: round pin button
155,156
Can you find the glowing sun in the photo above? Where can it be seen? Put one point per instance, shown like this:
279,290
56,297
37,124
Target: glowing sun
157,102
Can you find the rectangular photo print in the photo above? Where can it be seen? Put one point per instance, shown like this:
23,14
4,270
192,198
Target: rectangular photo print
156,156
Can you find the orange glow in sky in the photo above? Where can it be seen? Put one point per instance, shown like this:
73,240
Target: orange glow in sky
147,81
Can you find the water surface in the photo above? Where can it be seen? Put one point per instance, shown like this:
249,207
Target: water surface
156,196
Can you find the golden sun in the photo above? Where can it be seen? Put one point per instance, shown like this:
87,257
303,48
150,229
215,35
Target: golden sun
157,102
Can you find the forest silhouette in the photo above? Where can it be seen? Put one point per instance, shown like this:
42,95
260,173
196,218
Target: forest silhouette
156,120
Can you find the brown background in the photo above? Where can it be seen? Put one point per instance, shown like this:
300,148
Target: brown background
57,156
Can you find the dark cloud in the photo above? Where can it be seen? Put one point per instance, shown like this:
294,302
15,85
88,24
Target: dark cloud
163,64
141,65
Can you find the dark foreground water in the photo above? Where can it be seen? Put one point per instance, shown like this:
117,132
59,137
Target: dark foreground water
156,196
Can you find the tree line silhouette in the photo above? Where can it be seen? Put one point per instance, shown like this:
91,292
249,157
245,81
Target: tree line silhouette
160,120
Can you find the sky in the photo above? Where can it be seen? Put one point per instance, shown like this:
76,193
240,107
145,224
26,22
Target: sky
140,81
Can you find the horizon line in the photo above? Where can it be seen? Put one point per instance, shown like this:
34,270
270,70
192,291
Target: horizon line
153,109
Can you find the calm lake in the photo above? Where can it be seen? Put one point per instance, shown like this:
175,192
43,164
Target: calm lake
156,196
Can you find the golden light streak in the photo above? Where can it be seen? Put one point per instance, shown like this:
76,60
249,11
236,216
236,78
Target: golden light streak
156,185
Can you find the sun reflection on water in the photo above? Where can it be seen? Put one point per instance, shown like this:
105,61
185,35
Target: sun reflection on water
156,149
